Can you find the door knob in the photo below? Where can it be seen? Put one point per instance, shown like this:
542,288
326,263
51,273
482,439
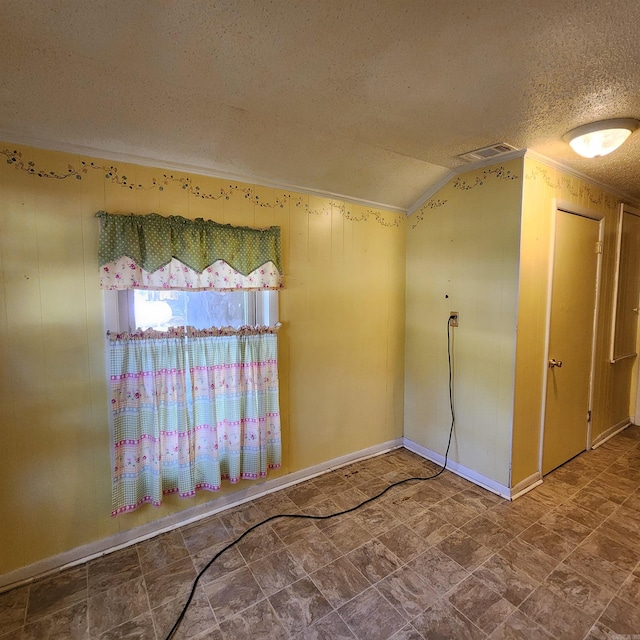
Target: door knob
554,363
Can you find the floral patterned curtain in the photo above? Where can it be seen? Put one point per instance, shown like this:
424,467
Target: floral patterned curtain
191,408
156,252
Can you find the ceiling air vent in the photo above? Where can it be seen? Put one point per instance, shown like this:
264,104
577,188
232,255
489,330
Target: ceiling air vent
486,153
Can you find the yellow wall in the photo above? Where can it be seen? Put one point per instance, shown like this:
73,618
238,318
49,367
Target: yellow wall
341,345
484,240
463,243
543,183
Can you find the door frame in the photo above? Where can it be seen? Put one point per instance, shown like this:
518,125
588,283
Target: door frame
585,212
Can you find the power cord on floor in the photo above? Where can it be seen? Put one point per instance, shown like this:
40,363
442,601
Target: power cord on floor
301,516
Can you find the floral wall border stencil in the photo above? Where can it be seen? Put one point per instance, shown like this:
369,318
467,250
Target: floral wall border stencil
14,158
111,173
600,198
499,172
429,204
369,213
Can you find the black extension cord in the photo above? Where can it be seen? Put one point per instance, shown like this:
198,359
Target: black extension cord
332,515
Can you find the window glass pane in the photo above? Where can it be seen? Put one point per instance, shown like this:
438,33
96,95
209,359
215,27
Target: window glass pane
200,309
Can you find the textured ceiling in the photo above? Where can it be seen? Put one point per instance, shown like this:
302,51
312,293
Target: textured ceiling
371,99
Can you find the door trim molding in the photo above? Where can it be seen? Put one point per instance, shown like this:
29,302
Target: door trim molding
574,209
547,329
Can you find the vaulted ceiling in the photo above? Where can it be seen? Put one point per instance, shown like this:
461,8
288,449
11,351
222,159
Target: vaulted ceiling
369,99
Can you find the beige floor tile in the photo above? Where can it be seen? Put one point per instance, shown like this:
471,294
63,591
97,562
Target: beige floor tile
407,592
331,627
300,605
374,560
596,569
565,527
374,518
13,609
198,617
229,561
305,494
259,543
507,580
233,593
313,551
430,559
238,520
487,533
66,624
340,581
438,570
346,535
519,627
258,622
531,561
117,605
204,534
404,543
582,593
630,590
161,550
57,592
407,633
621,617
466,551
558,617
370,616
480,604
276,571
547,541
443,620
139,629
113,569
614,552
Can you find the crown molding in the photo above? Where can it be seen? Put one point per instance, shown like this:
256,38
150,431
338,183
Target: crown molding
430,192
522,153
114,156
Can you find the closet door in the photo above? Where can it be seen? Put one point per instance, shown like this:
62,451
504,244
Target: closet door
572,319
627,294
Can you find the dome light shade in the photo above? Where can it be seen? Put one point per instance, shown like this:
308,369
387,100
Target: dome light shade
600,138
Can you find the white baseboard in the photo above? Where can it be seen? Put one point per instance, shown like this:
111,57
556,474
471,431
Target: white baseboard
524,486
93,550
458,469
610,432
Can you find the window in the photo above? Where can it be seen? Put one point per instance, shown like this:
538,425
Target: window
159,310
194,394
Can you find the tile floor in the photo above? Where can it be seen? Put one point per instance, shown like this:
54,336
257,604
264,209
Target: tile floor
429,560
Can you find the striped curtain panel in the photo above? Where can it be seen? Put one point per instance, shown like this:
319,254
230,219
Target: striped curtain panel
191,408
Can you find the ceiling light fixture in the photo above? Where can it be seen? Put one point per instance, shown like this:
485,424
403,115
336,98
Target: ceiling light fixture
600,138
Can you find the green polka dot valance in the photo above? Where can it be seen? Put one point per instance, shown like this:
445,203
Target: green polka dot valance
157,252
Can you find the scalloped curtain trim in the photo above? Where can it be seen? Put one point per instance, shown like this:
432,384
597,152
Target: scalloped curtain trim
152,242
125,273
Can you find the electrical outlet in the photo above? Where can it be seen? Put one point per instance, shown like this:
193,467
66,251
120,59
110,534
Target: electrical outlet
453,318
